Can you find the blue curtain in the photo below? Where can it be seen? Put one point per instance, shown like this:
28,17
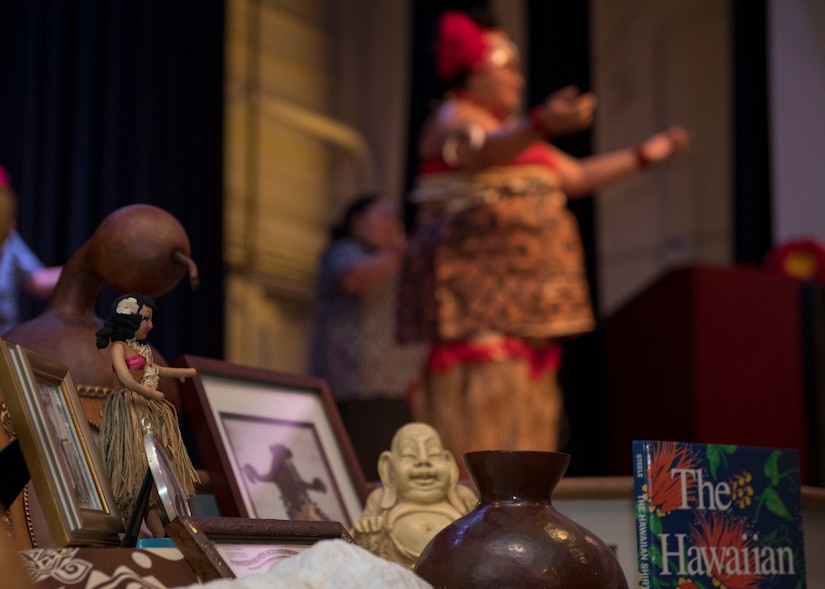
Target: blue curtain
106,103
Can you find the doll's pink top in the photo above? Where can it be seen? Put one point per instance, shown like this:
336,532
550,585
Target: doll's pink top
135,362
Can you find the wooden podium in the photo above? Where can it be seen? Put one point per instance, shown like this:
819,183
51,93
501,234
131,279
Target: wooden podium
710,355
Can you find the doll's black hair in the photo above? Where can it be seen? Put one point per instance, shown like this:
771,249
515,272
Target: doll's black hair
119,326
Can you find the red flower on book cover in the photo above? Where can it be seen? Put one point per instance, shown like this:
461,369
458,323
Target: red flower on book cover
664,491
727,535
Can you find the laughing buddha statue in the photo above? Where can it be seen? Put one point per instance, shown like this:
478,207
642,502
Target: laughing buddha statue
420,495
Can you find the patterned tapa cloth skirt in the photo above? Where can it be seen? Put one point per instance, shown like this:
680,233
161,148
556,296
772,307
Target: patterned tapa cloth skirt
494,252
493,275
121,444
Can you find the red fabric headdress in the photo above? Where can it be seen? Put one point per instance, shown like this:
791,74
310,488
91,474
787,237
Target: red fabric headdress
4,178
461,44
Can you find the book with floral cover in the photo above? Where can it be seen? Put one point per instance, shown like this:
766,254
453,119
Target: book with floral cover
714,516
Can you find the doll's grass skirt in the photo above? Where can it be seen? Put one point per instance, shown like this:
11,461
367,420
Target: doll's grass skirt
121,444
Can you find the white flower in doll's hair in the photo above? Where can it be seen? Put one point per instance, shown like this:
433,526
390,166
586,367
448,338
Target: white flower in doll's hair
127,306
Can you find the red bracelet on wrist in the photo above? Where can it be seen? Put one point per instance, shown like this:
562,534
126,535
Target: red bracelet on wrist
534,116
641,157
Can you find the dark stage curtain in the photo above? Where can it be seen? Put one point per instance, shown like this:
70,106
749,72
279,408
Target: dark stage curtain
559,55
751,136
425,87
105,103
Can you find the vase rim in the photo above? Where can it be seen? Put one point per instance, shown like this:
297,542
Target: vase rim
519,452
509,475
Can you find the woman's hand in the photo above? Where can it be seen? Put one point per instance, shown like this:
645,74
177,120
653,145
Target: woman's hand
564,112
664,146
398,239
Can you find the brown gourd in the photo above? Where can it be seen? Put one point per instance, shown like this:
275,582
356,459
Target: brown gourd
136,248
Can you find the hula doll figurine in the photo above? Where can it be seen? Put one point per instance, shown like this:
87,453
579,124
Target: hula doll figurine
135,397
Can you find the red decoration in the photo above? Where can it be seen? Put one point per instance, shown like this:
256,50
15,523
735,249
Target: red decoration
803,259
446,355
4,178
461,44
642,160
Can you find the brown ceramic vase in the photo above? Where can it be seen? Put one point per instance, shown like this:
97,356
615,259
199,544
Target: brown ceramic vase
515,537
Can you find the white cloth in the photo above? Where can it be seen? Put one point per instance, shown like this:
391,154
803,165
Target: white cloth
329,564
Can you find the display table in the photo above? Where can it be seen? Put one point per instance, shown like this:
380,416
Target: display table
91,568
604,505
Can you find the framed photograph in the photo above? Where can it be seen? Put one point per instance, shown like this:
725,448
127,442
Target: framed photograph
273,444
57,444
223,547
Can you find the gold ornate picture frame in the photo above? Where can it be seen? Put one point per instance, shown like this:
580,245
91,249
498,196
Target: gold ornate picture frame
59,449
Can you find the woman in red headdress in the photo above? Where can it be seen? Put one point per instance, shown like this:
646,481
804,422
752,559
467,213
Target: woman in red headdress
494,273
